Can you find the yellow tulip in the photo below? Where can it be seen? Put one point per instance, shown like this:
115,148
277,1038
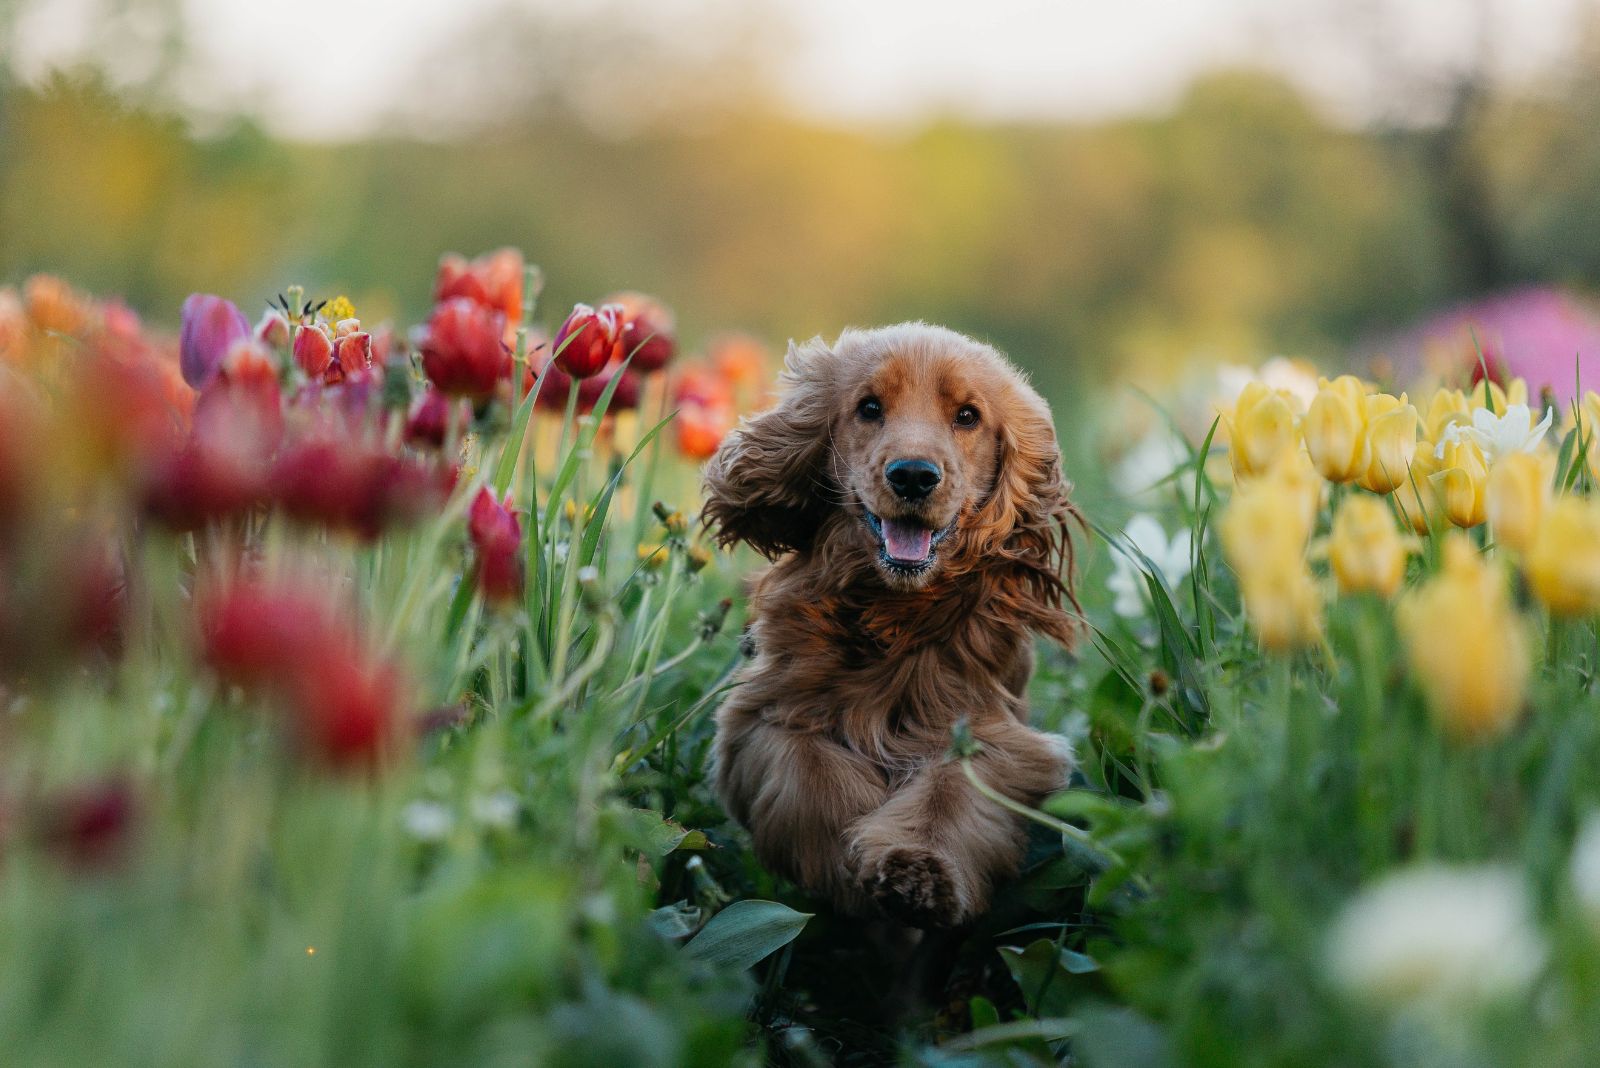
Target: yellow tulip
1333,428
1563,565
1516,392
1260,429
1460,482
1446,406
1589,423
1284,607
1389,444
1466,645
1418,496
1264,534
1365,550
1515,496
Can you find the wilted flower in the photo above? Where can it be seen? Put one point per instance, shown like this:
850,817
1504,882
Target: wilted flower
589,340
1334,428
1437,936
1515,496
1170,557
464,352
1466,645
497,538
211,327
647,332
1563,563
1261,427
1365,550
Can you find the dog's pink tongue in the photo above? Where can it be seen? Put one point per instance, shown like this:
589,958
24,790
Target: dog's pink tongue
906,541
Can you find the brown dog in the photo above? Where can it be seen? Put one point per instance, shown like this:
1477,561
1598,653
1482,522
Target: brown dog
908,486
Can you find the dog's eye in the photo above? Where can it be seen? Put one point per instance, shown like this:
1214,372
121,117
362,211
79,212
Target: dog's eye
870,409
966,415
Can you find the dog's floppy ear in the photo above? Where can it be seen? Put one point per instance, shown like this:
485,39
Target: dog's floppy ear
768,484
1026,524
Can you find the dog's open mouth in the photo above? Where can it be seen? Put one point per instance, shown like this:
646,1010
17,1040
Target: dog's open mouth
906,545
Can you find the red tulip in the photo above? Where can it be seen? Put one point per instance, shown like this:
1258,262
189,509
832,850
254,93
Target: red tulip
699,385
256,635
493,280
497,538
647,332
700,430
343,708
352,356
89,826
589,339
211,326
352,486
464,351
313,351
431,418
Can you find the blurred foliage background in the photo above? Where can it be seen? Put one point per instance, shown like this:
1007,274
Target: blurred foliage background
1246,219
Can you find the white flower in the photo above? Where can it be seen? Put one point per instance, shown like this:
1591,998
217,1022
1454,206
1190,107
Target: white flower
427,821
1153,459
1170,557
1498,435
498,809
1438,936
1586,868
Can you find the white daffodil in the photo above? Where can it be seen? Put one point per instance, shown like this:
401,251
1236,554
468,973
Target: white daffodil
1497,436
1170,557
1437,936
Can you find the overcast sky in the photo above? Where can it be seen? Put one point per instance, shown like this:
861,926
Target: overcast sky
334,67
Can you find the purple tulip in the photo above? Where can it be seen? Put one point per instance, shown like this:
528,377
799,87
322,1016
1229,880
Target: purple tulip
211,325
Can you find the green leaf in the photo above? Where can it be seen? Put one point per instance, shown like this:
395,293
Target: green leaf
983,1012
746,932
602,502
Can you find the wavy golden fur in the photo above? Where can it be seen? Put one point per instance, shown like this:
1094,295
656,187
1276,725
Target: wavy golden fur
866,653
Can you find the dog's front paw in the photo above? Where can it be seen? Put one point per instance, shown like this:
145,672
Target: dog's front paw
916,887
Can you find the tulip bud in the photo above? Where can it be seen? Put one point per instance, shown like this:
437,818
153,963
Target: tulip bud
1563,564
1260,429
313,351
1333,428
589,339
1460,483
1264,534
1515,496
464,352
493,280
1466,645
211,326
1366,551
497,538
273,329
429,423
700,430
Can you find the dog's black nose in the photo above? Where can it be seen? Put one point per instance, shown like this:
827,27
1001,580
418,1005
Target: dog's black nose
912,479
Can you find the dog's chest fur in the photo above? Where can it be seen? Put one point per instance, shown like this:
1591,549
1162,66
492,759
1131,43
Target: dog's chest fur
885,673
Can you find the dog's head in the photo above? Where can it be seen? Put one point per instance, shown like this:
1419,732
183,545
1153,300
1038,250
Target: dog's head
907,452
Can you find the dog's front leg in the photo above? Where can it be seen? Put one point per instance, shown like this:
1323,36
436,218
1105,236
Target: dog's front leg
797,792
932,854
